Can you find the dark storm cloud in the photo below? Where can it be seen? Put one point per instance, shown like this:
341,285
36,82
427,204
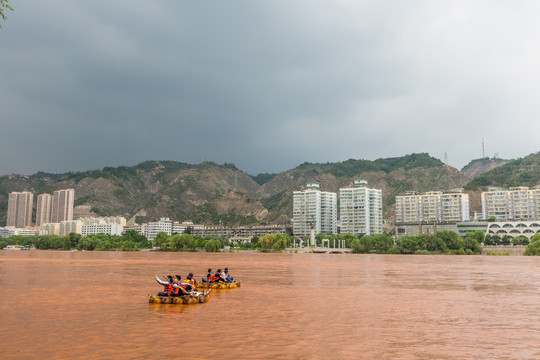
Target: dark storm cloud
266,85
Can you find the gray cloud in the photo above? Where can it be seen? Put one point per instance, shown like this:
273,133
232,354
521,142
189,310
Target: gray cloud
266,85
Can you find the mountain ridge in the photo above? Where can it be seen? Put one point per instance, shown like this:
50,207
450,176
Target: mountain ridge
216,194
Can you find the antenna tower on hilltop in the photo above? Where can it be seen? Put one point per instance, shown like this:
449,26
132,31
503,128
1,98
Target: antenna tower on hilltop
446,158
483,150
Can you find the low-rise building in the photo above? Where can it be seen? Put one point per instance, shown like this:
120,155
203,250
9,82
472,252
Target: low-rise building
50,229
4,232
180,227
154,228
70,226
102,228
513,228
414,229
241,231
140,228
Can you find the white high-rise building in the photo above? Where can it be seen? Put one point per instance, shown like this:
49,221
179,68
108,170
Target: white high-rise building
313,208
360,209
433,206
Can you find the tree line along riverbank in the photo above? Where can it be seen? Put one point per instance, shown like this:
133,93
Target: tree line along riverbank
443,242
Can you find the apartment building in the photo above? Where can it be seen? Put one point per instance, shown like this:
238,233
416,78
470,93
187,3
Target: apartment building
360,209
62,205
44,209
19,212
314,209
433,206
515,203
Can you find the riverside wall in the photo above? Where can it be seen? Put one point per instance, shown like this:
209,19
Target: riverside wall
512,250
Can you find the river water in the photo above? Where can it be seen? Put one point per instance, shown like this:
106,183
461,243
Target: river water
290,306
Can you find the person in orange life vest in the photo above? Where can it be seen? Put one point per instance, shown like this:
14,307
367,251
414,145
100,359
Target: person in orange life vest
184,286
168,285
218,276
180,289
211,277
191,280
207,276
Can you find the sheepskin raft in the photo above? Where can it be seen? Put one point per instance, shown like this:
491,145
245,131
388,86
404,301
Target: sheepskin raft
218,285
185,300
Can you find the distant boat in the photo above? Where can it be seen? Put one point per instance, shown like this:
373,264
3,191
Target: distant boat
16,247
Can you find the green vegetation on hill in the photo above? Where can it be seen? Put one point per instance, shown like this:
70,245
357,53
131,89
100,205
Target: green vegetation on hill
262,178
353,167
482,162
521,172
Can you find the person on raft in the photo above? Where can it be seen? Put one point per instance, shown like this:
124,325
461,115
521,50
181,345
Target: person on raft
186,284
219,276
228,278
191,280
172,287
209,277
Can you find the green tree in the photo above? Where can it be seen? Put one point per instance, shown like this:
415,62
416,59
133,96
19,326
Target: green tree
3,7
266,241
410,244
73,239
479,236
281,241
533,249
161,240
212,246
357,247
176,242
451,239
471,243
518,240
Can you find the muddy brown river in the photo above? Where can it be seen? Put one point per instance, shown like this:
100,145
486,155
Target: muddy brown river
72,305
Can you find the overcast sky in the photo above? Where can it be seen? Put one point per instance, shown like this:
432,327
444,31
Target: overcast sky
265,85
